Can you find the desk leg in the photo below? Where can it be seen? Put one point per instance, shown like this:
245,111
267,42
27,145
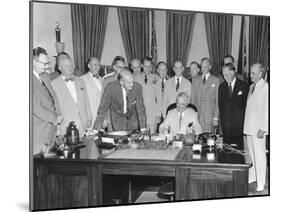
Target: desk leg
182,182
95,185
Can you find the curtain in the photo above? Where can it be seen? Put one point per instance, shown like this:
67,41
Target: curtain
180,27
134,26
259,41
88,33
219,38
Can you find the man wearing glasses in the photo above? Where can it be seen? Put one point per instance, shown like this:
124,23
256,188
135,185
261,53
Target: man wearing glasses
46,112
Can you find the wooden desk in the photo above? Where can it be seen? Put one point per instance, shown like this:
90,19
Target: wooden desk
63,183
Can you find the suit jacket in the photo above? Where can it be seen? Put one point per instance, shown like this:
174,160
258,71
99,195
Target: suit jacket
205,97
170,93
256,115
149,95
111,77
172,121
112,99
94,94
44,114
78,112
232,109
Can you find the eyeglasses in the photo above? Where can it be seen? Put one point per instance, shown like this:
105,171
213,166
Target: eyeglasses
44,64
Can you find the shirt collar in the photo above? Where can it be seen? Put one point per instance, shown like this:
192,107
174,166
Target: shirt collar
37,75
207,75
176,77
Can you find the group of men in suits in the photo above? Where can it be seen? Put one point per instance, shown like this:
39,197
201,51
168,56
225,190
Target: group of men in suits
136,98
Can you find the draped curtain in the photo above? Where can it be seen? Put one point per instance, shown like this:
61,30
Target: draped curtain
259,40
179,33
88,33
219,38
134,26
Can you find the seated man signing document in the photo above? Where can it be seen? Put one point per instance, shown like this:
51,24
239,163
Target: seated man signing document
182,119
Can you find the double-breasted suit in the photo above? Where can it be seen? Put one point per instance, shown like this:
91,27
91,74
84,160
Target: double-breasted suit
205,97
112,99
44,113
94,91
79,111
232,109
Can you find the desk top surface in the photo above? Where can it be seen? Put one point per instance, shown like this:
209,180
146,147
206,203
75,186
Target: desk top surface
184,156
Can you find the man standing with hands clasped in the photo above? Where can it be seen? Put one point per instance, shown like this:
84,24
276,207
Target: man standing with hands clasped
256,125
232,103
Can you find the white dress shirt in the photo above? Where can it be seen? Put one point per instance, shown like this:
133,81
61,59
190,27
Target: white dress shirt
176,79
71,87
233,83
206,75
97,81
124,92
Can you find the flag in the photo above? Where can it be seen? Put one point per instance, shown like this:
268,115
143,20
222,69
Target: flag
153,42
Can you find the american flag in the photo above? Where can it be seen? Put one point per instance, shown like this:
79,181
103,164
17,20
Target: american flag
153,41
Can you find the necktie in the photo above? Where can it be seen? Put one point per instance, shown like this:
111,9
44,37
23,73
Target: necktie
145,79
162,85
178,84
180,120
204,79
229,90
253,89
69,79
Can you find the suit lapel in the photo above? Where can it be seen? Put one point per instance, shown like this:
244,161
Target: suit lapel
41,87
119,95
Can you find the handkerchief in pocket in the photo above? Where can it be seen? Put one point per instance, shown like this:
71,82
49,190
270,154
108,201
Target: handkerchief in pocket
239,93
213,85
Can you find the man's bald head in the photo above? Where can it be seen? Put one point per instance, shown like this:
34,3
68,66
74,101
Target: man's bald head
126,78
136,65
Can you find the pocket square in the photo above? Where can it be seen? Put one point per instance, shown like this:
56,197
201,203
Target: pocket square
134,102
213,85
239,93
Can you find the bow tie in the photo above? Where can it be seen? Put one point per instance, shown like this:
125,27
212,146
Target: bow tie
69,79
95,76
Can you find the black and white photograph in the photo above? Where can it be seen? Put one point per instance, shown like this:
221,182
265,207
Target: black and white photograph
133,105
141,105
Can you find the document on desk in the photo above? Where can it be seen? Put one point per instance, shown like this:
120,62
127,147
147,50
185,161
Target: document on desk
169,154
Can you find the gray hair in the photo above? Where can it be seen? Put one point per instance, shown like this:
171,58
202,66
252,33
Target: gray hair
183,95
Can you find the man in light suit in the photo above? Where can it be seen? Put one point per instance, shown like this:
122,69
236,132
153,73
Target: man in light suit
162,70
148,82
93,84
205,96
46,112
182,119
73,99
232,103
175,85
124,100
256,125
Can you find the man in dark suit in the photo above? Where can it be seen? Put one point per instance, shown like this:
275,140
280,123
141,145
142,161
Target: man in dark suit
232,103
46,111
230,59
125,101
